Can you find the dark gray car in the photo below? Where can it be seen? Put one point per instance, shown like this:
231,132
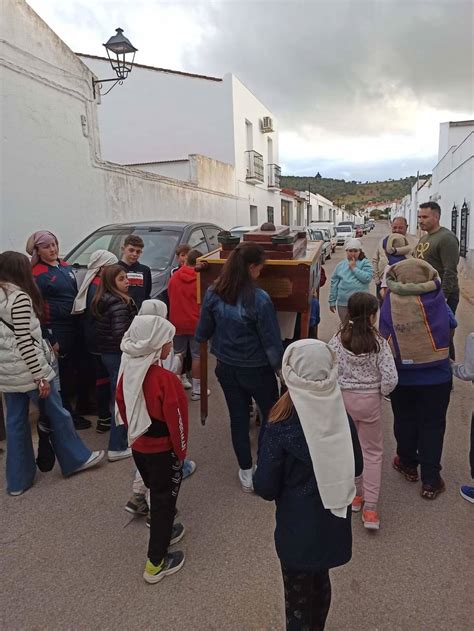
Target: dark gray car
161,238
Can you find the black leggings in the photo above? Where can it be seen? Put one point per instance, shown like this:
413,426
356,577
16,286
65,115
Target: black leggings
307,599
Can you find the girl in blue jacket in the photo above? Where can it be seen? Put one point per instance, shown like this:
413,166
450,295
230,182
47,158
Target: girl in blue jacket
241,322
352,274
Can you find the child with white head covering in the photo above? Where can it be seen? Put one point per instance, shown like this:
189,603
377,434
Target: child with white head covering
307,463
139,501
152,404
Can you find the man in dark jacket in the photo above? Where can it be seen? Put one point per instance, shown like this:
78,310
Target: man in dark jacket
139,276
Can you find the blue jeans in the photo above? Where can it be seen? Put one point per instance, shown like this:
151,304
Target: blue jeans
240,386
118,433
68,447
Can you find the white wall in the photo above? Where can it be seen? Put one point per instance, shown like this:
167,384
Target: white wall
158,115
161,115
52,176
452,134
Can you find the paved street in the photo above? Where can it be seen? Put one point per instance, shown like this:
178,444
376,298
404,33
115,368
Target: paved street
73,559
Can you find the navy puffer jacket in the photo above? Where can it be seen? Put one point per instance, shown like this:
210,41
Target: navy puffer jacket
308,537
113,319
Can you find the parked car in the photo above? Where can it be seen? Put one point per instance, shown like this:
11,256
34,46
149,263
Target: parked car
344,232
359,230
324,236
346,223
326,225
161,238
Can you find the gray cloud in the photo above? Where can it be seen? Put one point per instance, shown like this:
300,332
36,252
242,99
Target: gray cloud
344,65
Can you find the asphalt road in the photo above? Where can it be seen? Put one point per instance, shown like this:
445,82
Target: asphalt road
71,558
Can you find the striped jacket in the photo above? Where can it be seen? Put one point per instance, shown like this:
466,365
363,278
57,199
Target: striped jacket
24,355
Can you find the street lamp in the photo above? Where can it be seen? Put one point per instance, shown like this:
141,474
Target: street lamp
119,49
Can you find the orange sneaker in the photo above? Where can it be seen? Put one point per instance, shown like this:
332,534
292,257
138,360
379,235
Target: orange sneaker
371,519
357,503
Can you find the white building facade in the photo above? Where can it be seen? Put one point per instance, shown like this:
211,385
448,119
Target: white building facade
53,175
452,187
162,116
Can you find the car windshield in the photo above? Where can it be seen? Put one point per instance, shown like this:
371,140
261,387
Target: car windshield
158,251
315,235
344,229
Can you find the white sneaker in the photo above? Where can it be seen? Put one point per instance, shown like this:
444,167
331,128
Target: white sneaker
112,456
187,385
95,458
195,396
246,482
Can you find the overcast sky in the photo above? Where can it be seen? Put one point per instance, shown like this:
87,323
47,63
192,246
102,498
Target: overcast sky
359,87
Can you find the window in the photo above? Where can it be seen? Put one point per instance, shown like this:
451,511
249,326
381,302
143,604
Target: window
270,214
158,251
211,234
249,134
197,240
253,215
270,150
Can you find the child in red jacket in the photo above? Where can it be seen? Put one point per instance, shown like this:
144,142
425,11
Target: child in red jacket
152,404
184,314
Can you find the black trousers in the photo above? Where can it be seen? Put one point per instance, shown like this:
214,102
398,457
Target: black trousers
75,374
162,474
307,599
240,386
419,425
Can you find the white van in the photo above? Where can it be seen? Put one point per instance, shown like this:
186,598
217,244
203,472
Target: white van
330,227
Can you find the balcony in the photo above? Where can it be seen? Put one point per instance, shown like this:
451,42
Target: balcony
254,166
274,172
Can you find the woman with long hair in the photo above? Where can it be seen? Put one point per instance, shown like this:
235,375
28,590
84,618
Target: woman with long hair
241,322
114,311
307,463
56,282
352,274
26,375
367,372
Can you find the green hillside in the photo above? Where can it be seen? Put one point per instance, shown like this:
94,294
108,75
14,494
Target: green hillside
353,194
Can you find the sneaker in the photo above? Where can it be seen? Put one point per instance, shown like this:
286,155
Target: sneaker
176,534
16,493
103,425
409,473
95,458
189,467
246,481
80,422
467,492
112,456
387,398
431,492
196,396
357,503
187,385
137,505
172,562
370,519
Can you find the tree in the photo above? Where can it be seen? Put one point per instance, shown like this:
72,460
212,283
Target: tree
318,176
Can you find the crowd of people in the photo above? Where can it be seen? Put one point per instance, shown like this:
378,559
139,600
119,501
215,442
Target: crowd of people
320,446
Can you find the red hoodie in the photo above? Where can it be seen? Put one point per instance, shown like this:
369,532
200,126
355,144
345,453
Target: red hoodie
167,406
182,292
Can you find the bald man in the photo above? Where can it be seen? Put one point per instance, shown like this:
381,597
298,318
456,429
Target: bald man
380,260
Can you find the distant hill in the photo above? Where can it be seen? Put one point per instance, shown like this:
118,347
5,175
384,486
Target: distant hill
353,194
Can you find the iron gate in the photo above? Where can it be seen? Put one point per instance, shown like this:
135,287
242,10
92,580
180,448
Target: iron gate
454,219
463,234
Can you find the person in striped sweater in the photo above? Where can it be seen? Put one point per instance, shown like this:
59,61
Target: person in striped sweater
26,374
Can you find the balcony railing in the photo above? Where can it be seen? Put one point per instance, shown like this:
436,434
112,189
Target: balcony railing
254,164
274,173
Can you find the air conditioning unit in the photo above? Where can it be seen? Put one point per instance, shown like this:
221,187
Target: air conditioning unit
267,124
